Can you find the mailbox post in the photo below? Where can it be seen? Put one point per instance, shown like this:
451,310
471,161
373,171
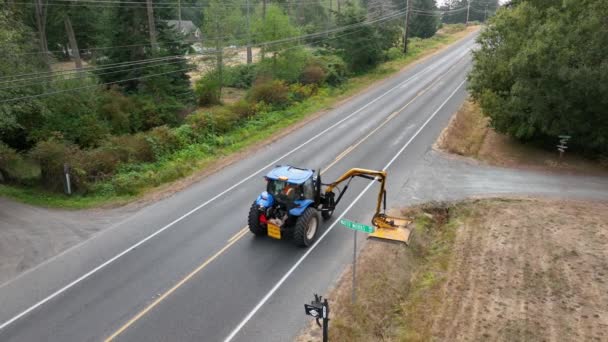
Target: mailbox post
319,309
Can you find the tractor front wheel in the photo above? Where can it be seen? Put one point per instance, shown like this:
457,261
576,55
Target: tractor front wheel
306,228
255,226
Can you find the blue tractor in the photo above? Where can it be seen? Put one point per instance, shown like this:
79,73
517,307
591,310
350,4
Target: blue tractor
290,206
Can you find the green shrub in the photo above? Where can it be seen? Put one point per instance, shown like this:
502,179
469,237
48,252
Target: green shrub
240,76
273,92
73,114
299,92
313,74
8,156
118,111
51,155
394,53
163,141
336,70
208,90
153,112
222,120
287,65
185,135
199,121
96,164
244,109
130,148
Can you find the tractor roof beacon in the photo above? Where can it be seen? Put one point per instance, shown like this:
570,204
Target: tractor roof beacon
290,206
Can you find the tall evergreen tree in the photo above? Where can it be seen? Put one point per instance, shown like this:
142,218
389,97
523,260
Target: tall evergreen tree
164,78
424,25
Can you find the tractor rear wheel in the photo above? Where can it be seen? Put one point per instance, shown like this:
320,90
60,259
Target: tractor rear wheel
255,226
306,228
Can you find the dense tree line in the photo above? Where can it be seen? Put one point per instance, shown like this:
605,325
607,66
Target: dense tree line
542,71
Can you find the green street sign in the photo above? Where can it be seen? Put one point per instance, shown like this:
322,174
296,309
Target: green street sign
357,226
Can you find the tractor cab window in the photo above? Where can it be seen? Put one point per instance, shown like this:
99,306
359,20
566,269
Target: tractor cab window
284,190
309,189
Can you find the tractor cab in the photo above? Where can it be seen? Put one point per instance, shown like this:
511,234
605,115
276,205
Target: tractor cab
290,186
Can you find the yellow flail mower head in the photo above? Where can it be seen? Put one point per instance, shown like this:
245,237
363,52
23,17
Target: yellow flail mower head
391,228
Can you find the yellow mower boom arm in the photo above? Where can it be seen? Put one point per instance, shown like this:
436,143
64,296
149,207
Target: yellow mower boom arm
387,227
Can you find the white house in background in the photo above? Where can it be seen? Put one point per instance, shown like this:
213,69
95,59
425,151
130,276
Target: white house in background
187,28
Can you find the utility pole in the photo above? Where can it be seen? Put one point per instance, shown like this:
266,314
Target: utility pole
485,14
468,9
264,9
249,53
73,44
151,25
41,25
179,15
219,51
407,25
338,1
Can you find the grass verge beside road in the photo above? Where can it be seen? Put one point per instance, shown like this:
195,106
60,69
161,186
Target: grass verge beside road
492,269
194,161
469,135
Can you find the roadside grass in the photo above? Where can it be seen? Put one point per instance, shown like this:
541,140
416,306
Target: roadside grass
470,135
397,285
133,181
466,132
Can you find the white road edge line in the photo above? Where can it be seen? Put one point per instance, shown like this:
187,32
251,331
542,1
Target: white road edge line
126,251
311,248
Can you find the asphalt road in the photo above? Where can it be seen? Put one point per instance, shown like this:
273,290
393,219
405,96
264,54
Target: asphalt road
181,270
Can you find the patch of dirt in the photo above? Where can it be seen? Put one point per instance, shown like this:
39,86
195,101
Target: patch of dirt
528,270
468,135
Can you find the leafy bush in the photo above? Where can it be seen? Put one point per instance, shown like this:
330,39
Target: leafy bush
244,109
73,114
336,70
287,65
163,141
199,122
299,92
208,90
51,155
130,148
153,112
7,157
394,53
313,74
273,92
118,111
240,76
222,120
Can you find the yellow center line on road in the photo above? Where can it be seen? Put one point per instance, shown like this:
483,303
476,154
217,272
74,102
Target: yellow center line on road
171,290
240,232
243,231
